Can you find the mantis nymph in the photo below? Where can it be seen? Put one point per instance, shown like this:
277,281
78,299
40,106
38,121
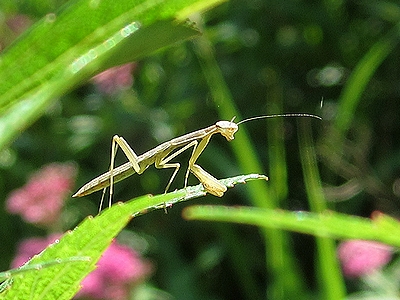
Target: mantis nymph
161,156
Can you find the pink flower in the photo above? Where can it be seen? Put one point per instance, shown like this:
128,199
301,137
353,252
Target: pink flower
115,79
117,270
360,257
19,23
30,247
40,201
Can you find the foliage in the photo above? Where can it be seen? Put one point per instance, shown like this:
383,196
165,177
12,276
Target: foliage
88,240
251,58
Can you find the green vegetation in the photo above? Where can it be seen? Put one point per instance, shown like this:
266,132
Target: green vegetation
195,62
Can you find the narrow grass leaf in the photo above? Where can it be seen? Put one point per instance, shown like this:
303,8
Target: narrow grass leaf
327,224
330,279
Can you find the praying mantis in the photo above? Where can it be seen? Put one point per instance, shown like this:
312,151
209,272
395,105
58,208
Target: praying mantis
161,156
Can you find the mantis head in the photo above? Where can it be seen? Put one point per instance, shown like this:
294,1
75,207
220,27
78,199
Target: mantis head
227,129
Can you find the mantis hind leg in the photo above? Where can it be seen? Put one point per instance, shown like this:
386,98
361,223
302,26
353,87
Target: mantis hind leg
118,141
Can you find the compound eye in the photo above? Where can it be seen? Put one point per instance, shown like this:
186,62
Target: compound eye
225,124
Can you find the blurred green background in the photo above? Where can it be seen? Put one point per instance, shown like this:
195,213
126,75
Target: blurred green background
336,59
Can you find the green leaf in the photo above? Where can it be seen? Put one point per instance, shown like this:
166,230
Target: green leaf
67,48
361,76
26,268
90,239
327,224
331,279
7,275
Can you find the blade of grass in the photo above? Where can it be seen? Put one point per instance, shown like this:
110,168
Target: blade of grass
280,261
328,224
275,129
289,284
329,273
360,77
245,154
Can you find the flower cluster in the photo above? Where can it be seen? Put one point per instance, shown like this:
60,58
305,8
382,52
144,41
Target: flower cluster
360,257
115,79
40,201
19,23
118,269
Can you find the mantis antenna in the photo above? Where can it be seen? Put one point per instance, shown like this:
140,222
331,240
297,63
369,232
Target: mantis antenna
280,115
